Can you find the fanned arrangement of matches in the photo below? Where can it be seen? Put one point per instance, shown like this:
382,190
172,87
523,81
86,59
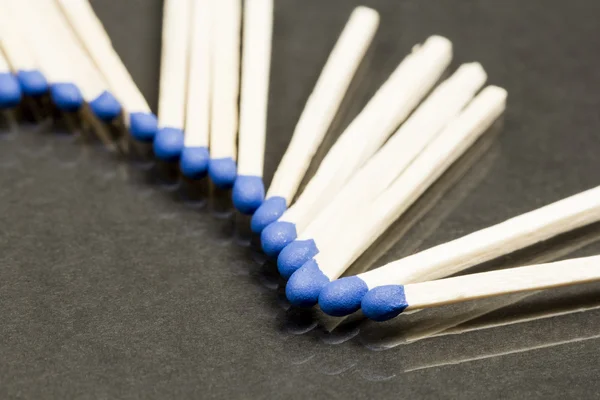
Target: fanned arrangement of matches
212,123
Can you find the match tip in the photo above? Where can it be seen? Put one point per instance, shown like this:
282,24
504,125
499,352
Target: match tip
248,193
10,90
343,296
33,82
268,212
384,302
194,162
66,96
295,255
143,126
106,106
305,285
276,236
168,144
222,172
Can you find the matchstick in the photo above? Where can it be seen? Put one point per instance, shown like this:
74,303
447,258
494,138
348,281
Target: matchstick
386,302
444,104
169,140
389,107
19,56
194,158
225,92
344,295
321,107
248,189
142,122
352,239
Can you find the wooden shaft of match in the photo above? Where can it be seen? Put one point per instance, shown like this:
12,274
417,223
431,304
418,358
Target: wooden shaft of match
504,238
199,76
225,78
324,102
496,283
173,63
98,45
254,91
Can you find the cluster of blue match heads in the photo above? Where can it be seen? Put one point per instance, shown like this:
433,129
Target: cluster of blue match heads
248,192
307,285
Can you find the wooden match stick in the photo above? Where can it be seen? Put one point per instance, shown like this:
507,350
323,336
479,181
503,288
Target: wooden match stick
249,190
385,302
194,158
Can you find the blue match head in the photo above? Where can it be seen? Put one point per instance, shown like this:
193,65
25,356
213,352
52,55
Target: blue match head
295,255
168,144
222,172
248,193
268,212
143,126
106,106
194,162
276,236
33,82
66,96
343,296
10,90
384,302
305,285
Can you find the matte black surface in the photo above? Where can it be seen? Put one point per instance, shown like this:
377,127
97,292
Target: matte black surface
112,287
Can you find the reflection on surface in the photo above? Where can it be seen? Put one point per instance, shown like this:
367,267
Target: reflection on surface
521,331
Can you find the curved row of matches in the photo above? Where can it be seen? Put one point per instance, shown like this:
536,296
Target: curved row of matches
407,135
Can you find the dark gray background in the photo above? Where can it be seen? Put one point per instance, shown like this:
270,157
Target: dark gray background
112,287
